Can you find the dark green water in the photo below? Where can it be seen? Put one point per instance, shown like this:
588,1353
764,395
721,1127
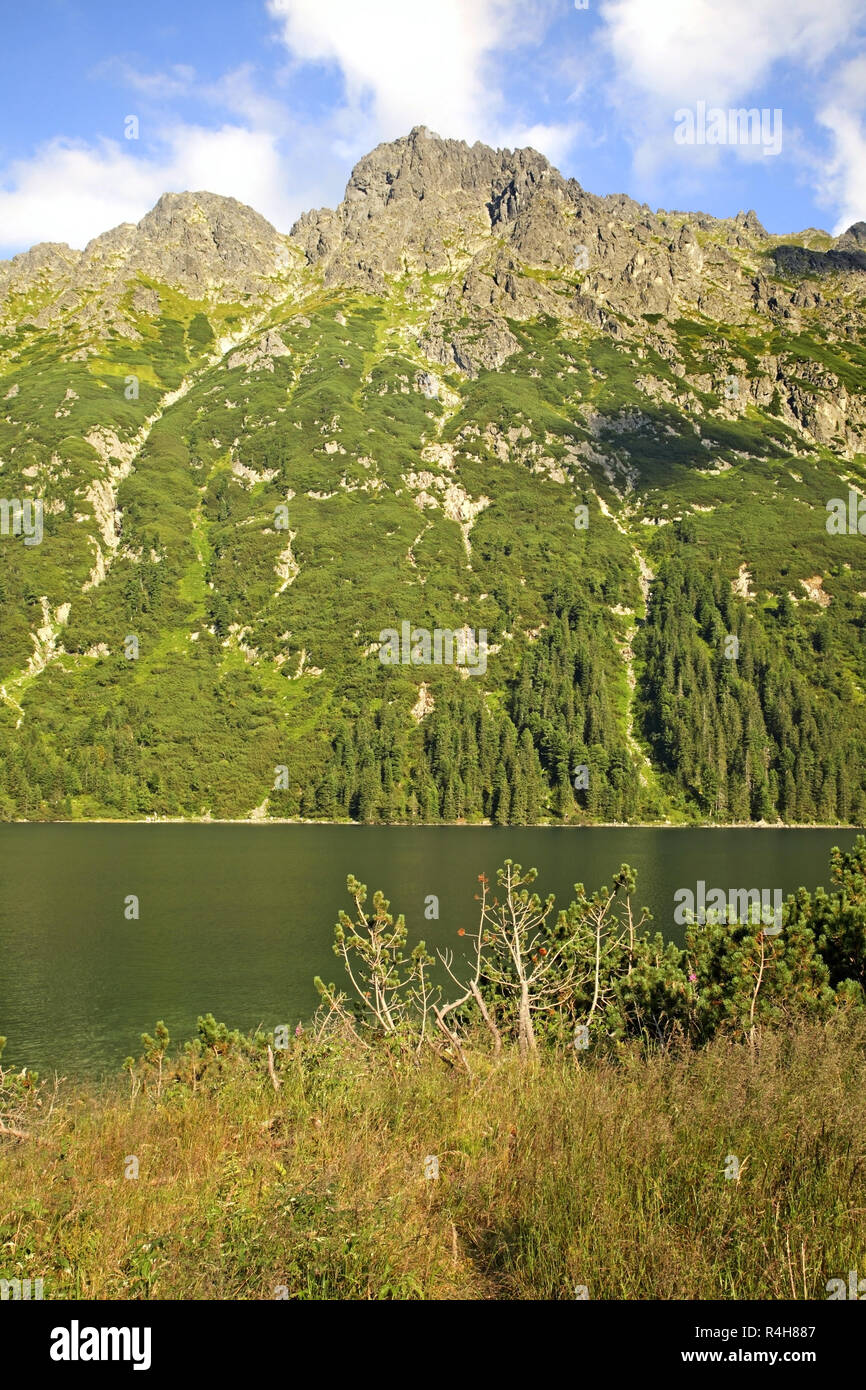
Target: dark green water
237,919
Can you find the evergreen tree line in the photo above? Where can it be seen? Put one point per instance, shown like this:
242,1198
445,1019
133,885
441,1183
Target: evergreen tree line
770,730
554,749
766,727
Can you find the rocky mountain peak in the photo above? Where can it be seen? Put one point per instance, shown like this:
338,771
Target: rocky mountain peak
199,242
422,165
505,236
203,244
408,200
208,224
854,239
750,222
41,266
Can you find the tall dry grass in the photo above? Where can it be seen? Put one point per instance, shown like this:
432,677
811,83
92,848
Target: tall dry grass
608,1175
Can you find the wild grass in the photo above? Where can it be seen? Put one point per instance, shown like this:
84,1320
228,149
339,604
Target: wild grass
603,1173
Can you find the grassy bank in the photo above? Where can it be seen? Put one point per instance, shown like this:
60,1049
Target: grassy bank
577,1105
604,1173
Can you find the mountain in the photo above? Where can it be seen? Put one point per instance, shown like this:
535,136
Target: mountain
616,455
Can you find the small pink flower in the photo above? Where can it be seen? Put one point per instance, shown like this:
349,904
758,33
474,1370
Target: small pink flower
693,977
298,1031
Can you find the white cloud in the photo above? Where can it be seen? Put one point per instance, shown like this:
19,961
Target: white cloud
74,191
71,191
237,92
175,81
237,162
554,141
414,64
841,182
406,64
687,50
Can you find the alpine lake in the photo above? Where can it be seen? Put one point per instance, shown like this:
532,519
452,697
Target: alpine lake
237,919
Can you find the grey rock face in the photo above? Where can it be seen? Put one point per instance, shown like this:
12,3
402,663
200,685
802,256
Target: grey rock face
202,244
854,239
205,241
42,268
422,205
418,203
507,239
795,261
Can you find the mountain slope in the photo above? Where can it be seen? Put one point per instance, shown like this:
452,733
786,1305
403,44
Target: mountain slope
473,397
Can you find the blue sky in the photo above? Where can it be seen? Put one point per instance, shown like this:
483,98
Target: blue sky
273,101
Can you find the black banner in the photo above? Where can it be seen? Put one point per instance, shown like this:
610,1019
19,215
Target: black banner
83,1340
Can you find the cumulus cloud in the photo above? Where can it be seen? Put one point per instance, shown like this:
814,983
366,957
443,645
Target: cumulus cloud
404,65
689,50
413,65
841,179
72,191
554,141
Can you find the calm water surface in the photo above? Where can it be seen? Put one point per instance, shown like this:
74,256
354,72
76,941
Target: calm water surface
236,920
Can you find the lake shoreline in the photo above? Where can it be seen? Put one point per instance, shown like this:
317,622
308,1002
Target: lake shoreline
112,929
452,824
